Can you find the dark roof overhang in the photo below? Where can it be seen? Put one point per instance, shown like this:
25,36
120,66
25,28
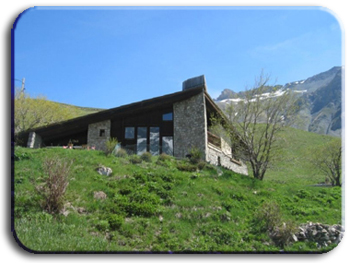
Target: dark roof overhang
81,123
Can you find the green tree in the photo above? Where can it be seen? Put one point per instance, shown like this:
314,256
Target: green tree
327,160
256,121
34,112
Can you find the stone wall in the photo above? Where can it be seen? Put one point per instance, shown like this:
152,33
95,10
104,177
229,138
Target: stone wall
324,235
34,140
96,137
217,157
190,125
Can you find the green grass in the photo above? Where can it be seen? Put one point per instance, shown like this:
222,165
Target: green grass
292,162
159,206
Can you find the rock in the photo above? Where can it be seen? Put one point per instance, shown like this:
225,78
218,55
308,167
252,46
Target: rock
295,238
65,213
102,170
322,234
81,210
100,195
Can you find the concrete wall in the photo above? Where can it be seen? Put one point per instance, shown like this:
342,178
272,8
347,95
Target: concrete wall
190,125
216,155
34,140
94,138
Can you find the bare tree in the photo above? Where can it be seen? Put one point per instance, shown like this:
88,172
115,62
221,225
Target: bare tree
257,119
327,160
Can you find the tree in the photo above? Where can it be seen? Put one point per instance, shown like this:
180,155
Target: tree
256,121
327,160
35,112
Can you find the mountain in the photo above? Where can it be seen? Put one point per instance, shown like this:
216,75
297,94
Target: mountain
320,101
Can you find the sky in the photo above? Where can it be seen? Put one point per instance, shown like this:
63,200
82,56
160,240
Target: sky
108,57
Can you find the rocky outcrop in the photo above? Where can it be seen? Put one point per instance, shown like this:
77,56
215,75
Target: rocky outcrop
102,170
322,234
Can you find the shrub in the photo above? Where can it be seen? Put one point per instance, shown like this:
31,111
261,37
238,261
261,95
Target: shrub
103,225
195,155
283,235
135,159
147,157
121,153
110,145
187,167
267,217
115,221
55,185
164,157
201,165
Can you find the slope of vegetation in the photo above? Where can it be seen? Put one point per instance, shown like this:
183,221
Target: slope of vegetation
77,111
292,163
31,112
161,204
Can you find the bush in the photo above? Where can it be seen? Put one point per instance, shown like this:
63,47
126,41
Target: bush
110,145
201,165
121,153
115,221
187,167
164,157
195,155
267,217
55,185
135,159
283,235
103,225
147,157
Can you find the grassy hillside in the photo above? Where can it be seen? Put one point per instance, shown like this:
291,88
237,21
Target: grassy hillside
292,163
77,111
164,205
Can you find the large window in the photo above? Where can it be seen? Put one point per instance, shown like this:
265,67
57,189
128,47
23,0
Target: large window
167,145
141,140
154,140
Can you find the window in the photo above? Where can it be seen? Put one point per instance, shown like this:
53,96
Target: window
102,132
129,133
141,140
167,145
167,116
154,140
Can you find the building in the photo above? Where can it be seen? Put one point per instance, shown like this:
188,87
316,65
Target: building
171,124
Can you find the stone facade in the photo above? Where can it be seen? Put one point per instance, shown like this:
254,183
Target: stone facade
34,140
218,157
190,130
99,134
190,125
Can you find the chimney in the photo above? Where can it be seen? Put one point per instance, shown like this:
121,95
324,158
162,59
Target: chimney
194,83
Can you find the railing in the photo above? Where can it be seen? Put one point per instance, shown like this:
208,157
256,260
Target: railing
214,140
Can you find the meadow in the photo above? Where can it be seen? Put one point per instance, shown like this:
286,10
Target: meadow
160,204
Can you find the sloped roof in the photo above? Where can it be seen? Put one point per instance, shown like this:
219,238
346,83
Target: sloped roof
81,123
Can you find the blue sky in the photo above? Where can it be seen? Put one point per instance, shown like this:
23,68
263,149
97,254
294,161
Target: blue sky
107,57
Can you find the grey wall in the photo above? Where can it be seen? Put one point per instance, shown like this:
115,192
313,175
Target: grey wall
190,125
225,161
94,138
34,140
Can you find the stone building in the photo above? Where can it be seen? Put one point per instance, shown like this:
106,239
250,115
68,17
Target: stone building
171,124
